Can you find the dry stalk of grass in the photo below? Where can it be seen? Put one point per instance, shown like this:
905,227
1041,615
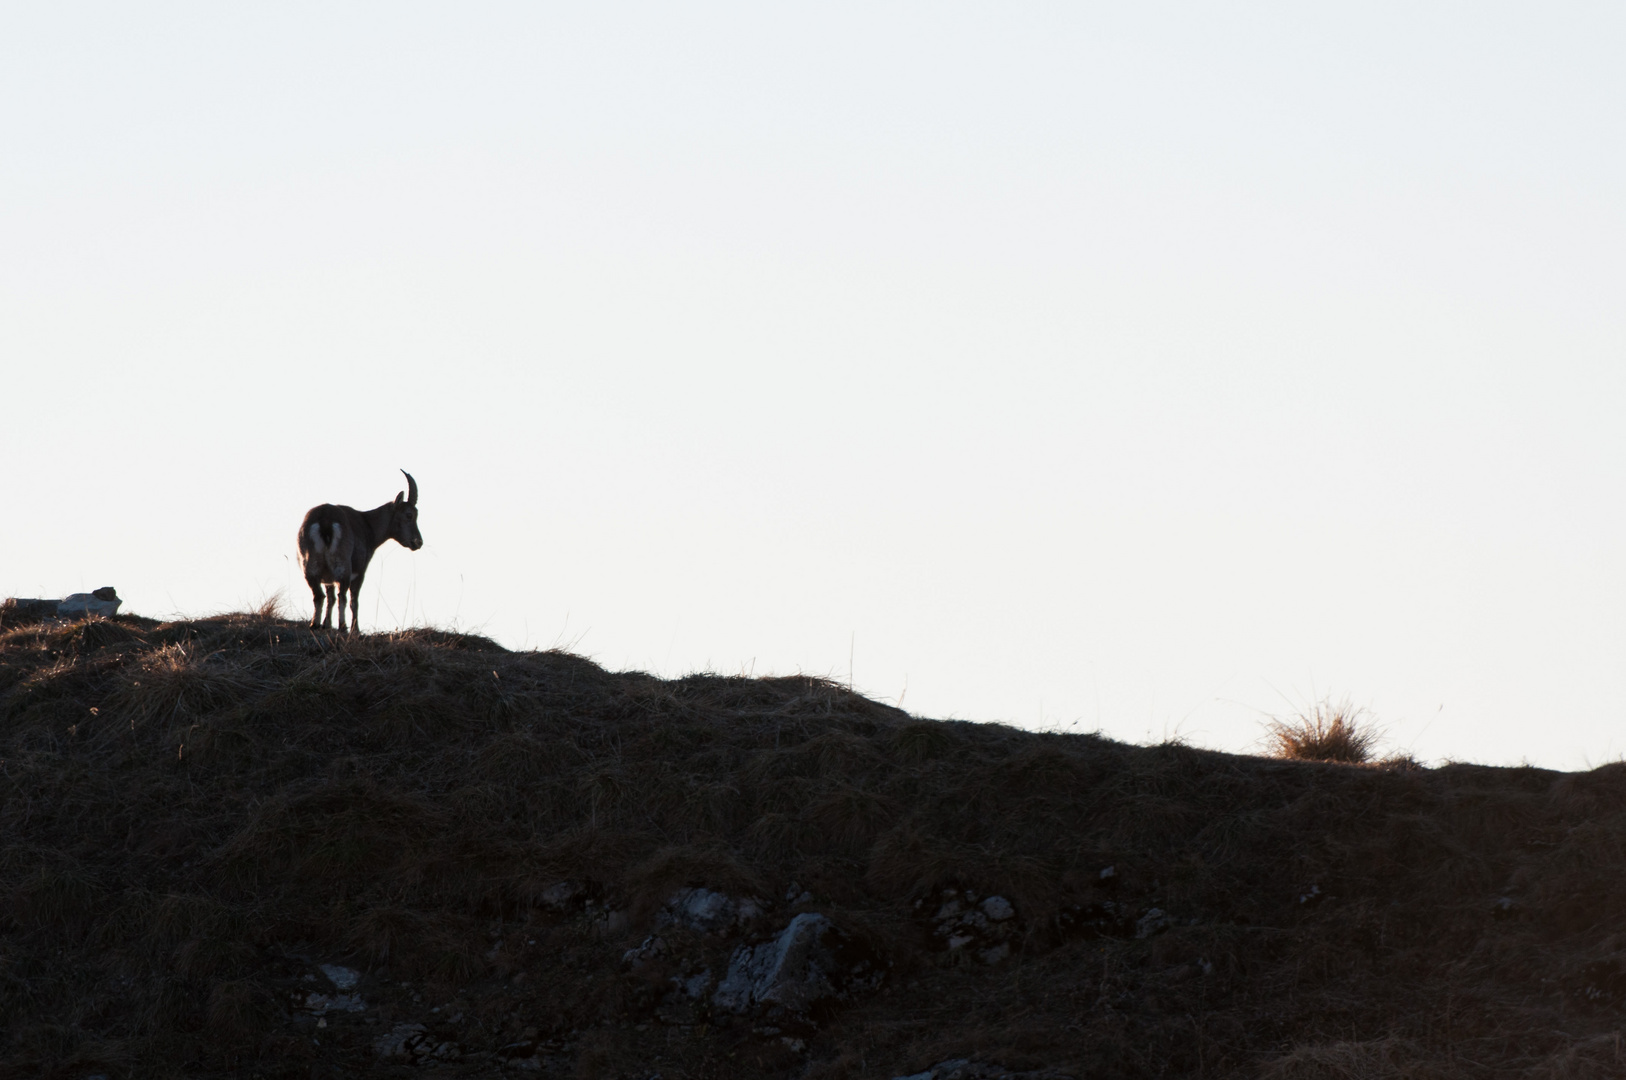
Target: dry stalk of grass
273,608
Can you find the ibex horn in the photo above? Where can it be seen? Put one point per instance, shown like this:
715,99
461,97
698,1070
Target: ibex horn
412,489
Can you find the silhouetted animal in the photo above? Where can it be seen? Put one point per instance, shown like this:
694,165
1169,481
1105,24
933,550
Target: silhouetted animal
337,542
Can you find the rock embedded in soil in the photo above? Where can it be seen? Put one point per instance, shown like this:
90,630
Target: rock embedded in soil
1155,921
1096,919
708,912
414,1043
318,1004
103,602
342,978
998,909
641,954
810,965
985,926
400,1041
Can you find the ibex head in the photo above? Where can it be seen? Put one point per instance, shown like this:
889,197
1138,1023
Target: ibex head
404,530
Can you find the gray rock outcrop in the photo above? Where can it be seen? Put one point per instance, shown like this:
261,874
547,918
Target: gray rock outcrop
809,965
103,602
414,1043
708,911
985,925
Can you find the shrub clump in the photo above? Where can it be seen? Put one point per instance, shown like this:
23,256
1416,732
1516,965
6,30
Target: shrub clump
1325,731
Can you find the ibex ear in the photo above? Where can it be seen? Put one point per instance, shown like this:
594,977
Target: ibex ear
400,497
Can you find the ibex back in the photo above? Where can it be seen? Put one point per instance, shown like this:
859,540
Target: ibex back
337,542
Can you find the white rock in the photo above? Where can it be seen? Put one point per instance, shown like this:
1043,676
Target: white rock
400,1041
998,908
641,954
1154,921
326,1003
103,602
787,971
708,911
342,978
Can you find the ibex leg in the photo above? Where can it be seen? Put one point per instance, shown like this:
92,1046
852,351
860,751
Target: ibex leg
355,592
316,595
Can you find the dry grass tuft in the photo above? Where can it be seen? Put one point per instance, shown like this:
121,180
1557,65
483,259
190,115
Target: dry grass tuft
240,1011
273,608
1326,731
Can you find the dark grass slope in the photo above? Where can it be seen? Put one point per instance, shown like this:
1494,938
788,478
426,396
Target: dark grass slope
193,814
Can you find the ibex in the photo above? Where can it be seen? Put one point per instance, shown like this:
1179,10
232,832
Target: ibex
337,542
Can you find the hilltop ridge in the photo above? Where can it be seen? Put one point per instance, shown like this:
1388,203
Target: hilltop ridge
234,847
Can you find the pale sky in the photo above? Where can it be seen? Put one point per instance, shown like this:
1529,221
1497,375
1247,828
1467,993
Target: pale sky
1136,367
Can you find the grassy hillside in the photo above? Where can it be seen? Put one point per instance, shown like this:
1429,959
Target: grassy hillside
195,817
